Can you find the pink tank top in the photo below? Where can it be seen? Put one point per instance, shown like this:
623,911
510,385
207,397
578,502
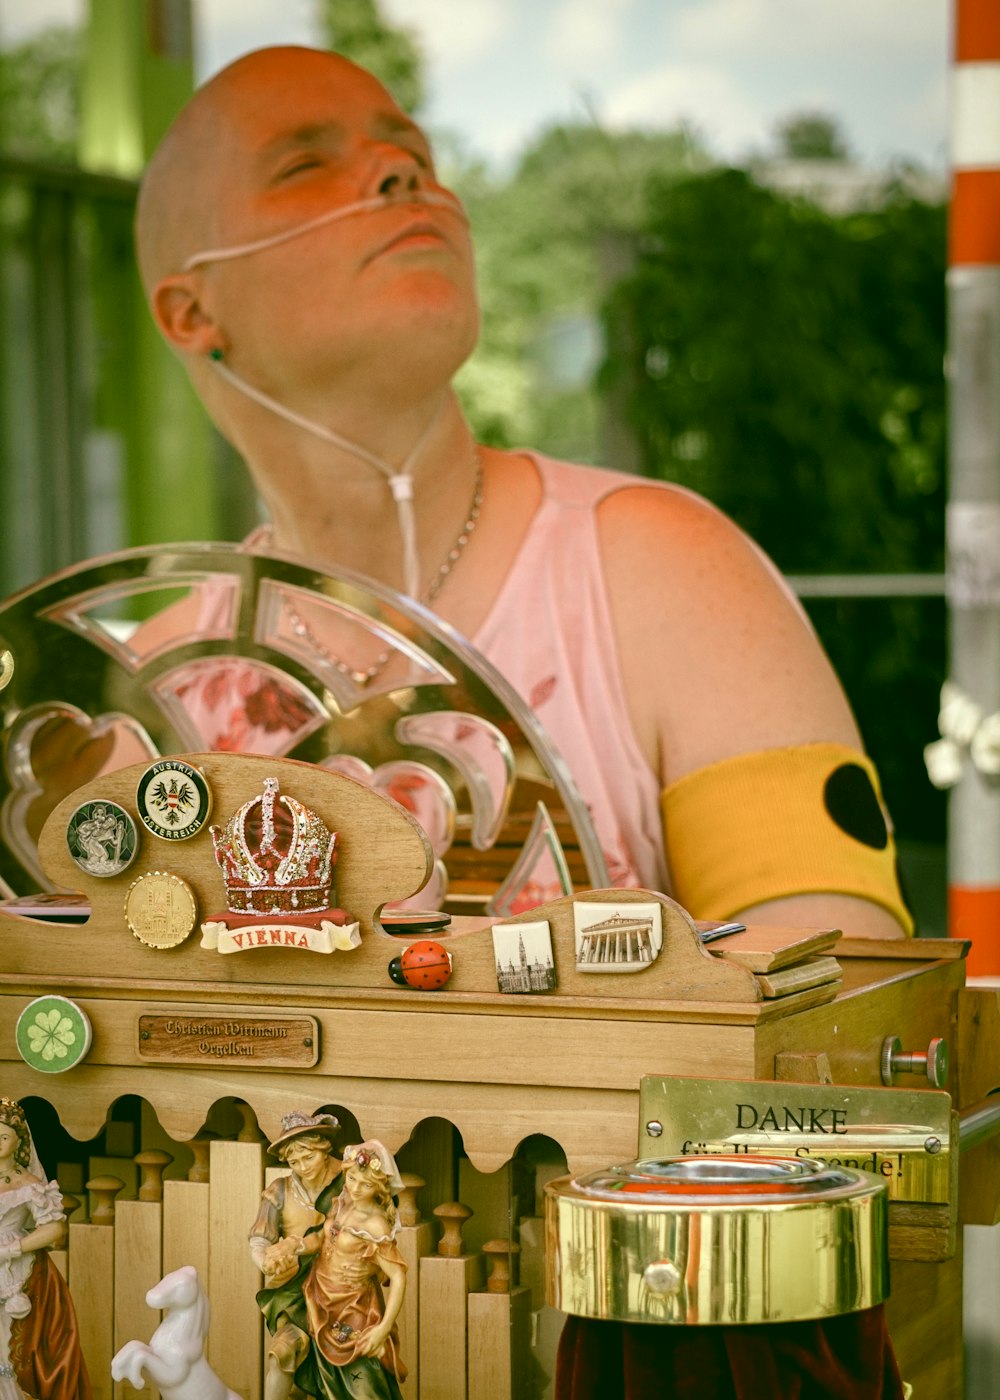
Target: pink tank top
550,633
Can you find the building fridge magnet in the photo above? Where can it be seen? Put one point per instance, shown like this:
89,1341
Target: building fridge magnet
616,938
523,957
277,860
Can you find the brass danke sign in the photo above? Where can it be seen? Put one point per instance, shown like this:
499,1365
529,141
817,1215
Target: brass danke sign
902,1136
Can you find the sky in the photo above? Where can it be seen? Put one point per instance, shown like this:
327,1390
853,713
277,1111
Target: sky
497,70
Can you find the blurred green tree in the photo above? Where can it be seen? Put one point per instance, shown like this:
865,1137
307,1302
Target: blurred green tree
788,364
40,96
542,238
811,136
358,30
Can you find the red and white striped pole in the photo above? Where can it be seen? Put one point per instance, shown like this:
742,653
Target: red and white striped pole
973,521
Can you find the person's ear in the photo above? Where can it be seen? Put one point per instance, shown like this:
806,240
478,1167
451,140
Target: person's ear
182,319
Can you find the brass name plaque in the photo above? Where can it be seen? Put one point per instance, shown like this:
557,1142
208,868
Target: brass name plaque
901,1135
256,1042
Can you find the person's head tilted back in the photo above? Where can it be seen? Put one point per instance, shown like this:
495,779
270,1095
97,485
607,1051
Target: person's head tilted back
291,223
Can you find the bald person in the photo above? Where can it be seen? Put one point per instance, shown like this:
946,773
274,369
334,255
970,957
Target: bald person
316,280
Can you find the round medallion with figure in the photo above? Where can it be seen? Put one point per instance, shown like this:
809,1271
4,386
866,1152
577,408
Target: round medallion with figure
102,838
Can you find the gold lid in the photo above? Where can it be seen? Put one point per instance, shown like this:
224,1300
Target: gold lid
696,1240
160,909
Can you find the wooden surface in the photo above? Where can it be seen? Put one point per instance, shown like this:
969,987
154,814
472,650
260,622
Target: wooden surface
978,1056
810,972
490,1195
467,1063
186,1226
803,1067
917,1002
595,1127
237,1179
383,854
924,1313
766,948
138,1268
978,1043
921,1232
444,1288
684,973
92,1281
383,857
499,1345
265,1042
414,1241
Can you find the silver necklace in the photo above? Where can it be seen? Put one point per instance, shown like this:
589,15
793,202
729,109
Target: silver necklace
362,678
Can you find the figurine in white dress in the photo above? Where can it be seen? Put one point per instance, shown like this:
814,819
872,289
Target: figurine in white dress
40,1355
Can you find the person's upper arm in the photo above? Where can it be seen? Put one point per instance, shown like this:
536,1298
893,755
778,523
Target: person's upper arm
719,661
717,655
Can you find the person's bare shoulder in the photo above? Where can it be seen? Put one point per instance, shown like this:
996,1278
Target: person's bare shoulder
717,655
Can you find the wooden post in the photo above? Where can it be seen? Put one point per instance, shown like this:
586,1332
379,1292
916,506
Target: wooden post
234,1342
185,1227
415,1241
92,1286
152,1164
199,1169
446,1280
60,1257
103,1190
499,1344
138,1268
499,1329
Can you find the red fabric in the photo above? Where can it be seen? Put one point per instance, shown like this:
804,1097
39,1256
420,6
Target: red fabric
843,1358
45,1345
289,918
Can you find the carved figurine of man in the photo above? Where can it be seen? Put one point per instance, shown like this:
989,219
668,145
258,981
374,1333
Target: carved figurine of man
292,1208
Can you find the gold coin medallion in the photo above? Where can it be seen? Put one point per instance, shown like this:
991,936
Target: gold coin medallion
160,909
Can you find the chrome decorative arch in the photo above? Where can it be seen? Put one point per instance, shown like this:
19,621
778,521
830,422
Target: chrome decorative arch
208,646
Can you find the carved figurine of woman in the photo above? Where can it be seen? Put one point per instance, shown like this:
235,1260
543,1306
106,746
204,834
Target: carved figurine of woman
40,1356
354,1352
292,1209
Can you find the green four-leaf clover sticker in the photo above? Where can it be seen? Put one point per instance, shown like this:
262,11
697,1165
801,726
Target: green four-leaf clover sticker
53,1034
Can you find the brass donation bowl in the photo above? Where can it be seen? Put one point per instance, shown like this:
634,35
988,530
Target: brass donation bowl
706,1239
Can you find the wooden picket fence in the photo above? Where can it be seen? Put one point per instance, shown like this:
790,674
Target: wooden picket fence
458,1340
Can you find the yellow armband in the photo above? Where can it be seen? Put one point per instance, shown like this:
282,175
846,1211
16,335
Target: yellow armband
781,822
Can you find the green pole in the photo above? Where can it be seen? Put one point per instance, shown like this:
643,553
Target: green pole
138,72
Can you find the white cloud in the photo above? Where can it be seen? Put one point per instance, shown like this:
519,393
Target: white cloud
224,29
584,32
453,33
699,94
847,30
925,117
20,21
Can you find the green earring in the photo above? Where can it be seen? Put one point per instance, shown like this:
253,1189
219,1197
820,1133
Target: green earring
215,353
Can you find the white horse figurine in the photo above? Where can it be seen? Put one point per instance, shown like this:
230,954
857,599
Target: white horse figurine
174,1357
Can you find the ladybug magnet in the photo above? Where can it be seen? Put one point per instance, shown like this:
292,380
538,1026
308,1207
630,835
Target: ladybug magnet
425,966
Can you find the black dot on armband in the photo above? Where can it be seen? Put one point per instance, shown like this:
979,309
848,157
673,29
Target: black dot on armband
850,800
